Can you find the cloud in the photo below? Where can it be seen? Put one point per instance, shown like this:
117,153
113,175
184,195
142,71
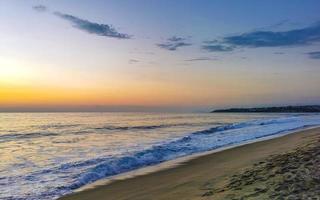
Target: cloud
275,39
201,59
280,24
40,8
176,39
217,47
256,39
174,43
133,61
173,46
92,27
277,25
314,54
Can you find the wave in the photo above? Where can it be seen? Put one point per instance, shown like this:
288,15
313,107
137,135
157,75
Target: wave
56,126
15,136
80,173
122,128
150,127
196,142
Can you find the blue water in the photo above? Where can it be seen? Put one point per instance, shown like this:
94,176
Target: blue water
47,155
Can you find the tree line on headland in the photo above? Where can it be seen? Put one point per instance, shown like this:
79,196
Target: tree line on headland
280,109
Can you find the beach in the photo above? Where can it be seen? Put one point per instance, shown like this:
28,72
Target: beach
52,155
159,100
272,169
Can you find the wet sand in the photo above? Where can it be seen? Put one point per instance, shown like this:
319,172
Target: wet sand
279,168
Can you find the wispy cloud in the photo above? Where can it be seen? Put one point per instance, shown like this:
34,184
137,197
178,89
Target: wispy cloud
280,24
40,8
92,27
201,59
105,30
176,39
256,39
174,43
279,53
133,61
173,46
314,54
275,39
217,47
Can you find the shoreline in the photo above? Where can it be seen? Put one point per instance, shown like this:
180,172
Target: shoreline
163,172
179,161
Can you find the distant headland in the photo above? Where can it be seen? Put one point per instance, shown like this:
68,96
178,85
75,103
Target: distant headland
280,109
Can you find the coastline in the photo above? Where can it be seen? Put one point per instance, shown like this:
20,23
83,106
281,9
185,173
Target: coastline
187,178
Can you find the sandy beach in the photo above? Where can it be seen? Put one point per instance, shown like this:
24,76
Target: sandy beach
272,169
159,100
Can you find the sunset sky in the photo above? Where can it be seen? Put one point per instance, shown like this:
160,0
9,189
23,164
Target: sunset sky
173,54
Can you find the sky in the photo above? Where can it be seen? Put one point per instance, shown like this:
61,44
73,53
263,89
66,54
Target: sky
164,55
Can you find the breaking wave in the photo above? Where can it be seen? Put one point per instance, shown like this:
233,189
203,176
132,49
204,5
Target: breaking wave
196,142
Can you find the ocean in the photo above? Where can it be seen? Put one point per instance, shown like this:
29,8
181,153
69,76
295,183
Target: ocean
47,155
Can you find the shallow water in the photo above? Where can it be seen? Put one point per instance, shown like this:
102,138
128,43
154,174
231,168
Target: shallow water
47,155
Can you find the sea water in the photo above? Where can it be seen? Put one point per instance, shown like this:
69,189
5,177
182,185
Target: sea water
47,155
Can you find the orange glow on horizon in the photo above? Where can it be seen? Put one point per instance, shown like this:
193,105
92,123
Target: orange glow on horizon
134,95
